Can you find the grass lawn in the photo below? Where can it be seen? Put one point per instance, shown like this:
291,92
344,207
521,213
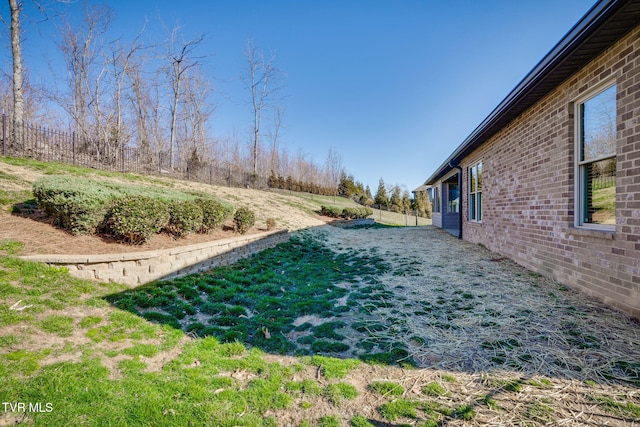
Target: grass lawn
217,349
70,356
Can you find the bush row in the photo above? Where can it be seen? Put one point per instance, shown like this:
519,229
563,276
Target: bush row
75,205
130,214
136,219
347,213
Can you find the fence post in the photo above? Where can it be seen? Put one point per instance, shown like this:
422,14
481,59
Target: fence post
122,154
73,147
4,134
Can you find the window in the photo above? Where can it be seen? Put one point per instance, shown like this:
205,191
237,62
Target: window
435,199
454,198
475,192
596,160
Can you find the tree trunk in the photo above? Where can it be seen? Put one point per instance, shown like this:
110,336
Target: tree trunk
174,115
16,51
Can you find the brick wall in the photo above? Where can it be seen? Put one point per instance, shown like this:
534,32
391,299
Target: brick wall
528,188
137,268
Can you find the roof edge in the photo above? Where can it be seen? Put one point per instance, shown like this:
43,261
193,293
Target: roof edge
576,36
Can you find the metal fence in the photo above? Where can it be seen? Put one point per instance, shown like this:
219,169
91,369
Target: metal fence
50,145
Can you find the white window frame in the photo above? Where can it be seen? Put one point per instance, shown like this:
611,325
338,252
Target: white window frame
475,215
435,199
579,166
453,205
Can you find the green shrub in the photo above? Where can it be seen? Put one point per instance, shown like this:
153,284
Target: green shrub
185,217
244,219
356,213
76,205
214,214
347,213
136,219
83,205
331,211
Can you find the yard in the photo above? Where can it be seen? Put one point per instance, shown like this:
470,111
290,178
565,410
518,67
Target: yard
382,326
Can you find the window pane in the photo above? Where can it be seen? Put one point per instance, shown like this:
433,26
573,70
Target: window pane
454,201
480,176
479,206
598,126
472,207
473,178
600,192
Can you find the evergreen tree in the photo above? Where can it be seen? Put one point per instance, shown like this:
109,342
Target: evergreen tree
406,201
346,187
396,199
422,204
381,197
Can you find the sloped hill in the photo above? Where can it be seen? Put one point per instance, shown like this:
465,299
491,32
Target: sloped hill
293,211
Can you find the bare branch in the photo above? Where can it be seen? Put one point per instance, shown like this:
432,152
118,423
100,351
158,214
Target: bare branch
264,81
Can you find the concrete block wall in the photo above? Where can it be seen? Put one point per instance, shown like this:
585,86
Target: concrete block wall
137,268
528,188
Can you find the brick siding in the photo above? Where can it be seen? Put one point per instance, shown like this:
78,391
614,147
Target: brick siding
528,187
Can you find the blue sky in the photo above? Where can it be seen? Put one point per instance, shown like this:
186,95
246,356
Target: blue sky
393,86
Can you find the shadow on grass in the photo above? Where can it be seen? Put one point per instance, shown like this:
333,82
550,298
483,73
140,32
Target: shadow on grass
306,298
298,298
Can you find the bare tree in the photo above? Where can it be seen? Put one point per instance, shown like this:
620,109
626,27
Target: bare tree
264,81
79,51
147,110
140,101
119,61
180,58
197,112
274,152
15,8
333,169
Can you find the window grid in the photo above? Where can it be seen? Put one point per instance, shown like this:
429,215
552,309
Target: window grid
596,159
475,192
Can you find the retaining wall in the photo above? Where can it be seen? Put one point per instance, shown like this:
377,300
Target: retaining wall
137,268
348,223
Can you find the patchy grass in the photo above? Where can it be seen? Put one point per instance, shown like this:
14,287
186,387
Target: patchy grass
258,300
434,389
10,247
386,388
617,405
332,368
59,325
98,364
338,392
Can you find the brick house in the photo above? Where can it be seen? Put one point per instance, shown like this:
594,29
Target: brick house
551,178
